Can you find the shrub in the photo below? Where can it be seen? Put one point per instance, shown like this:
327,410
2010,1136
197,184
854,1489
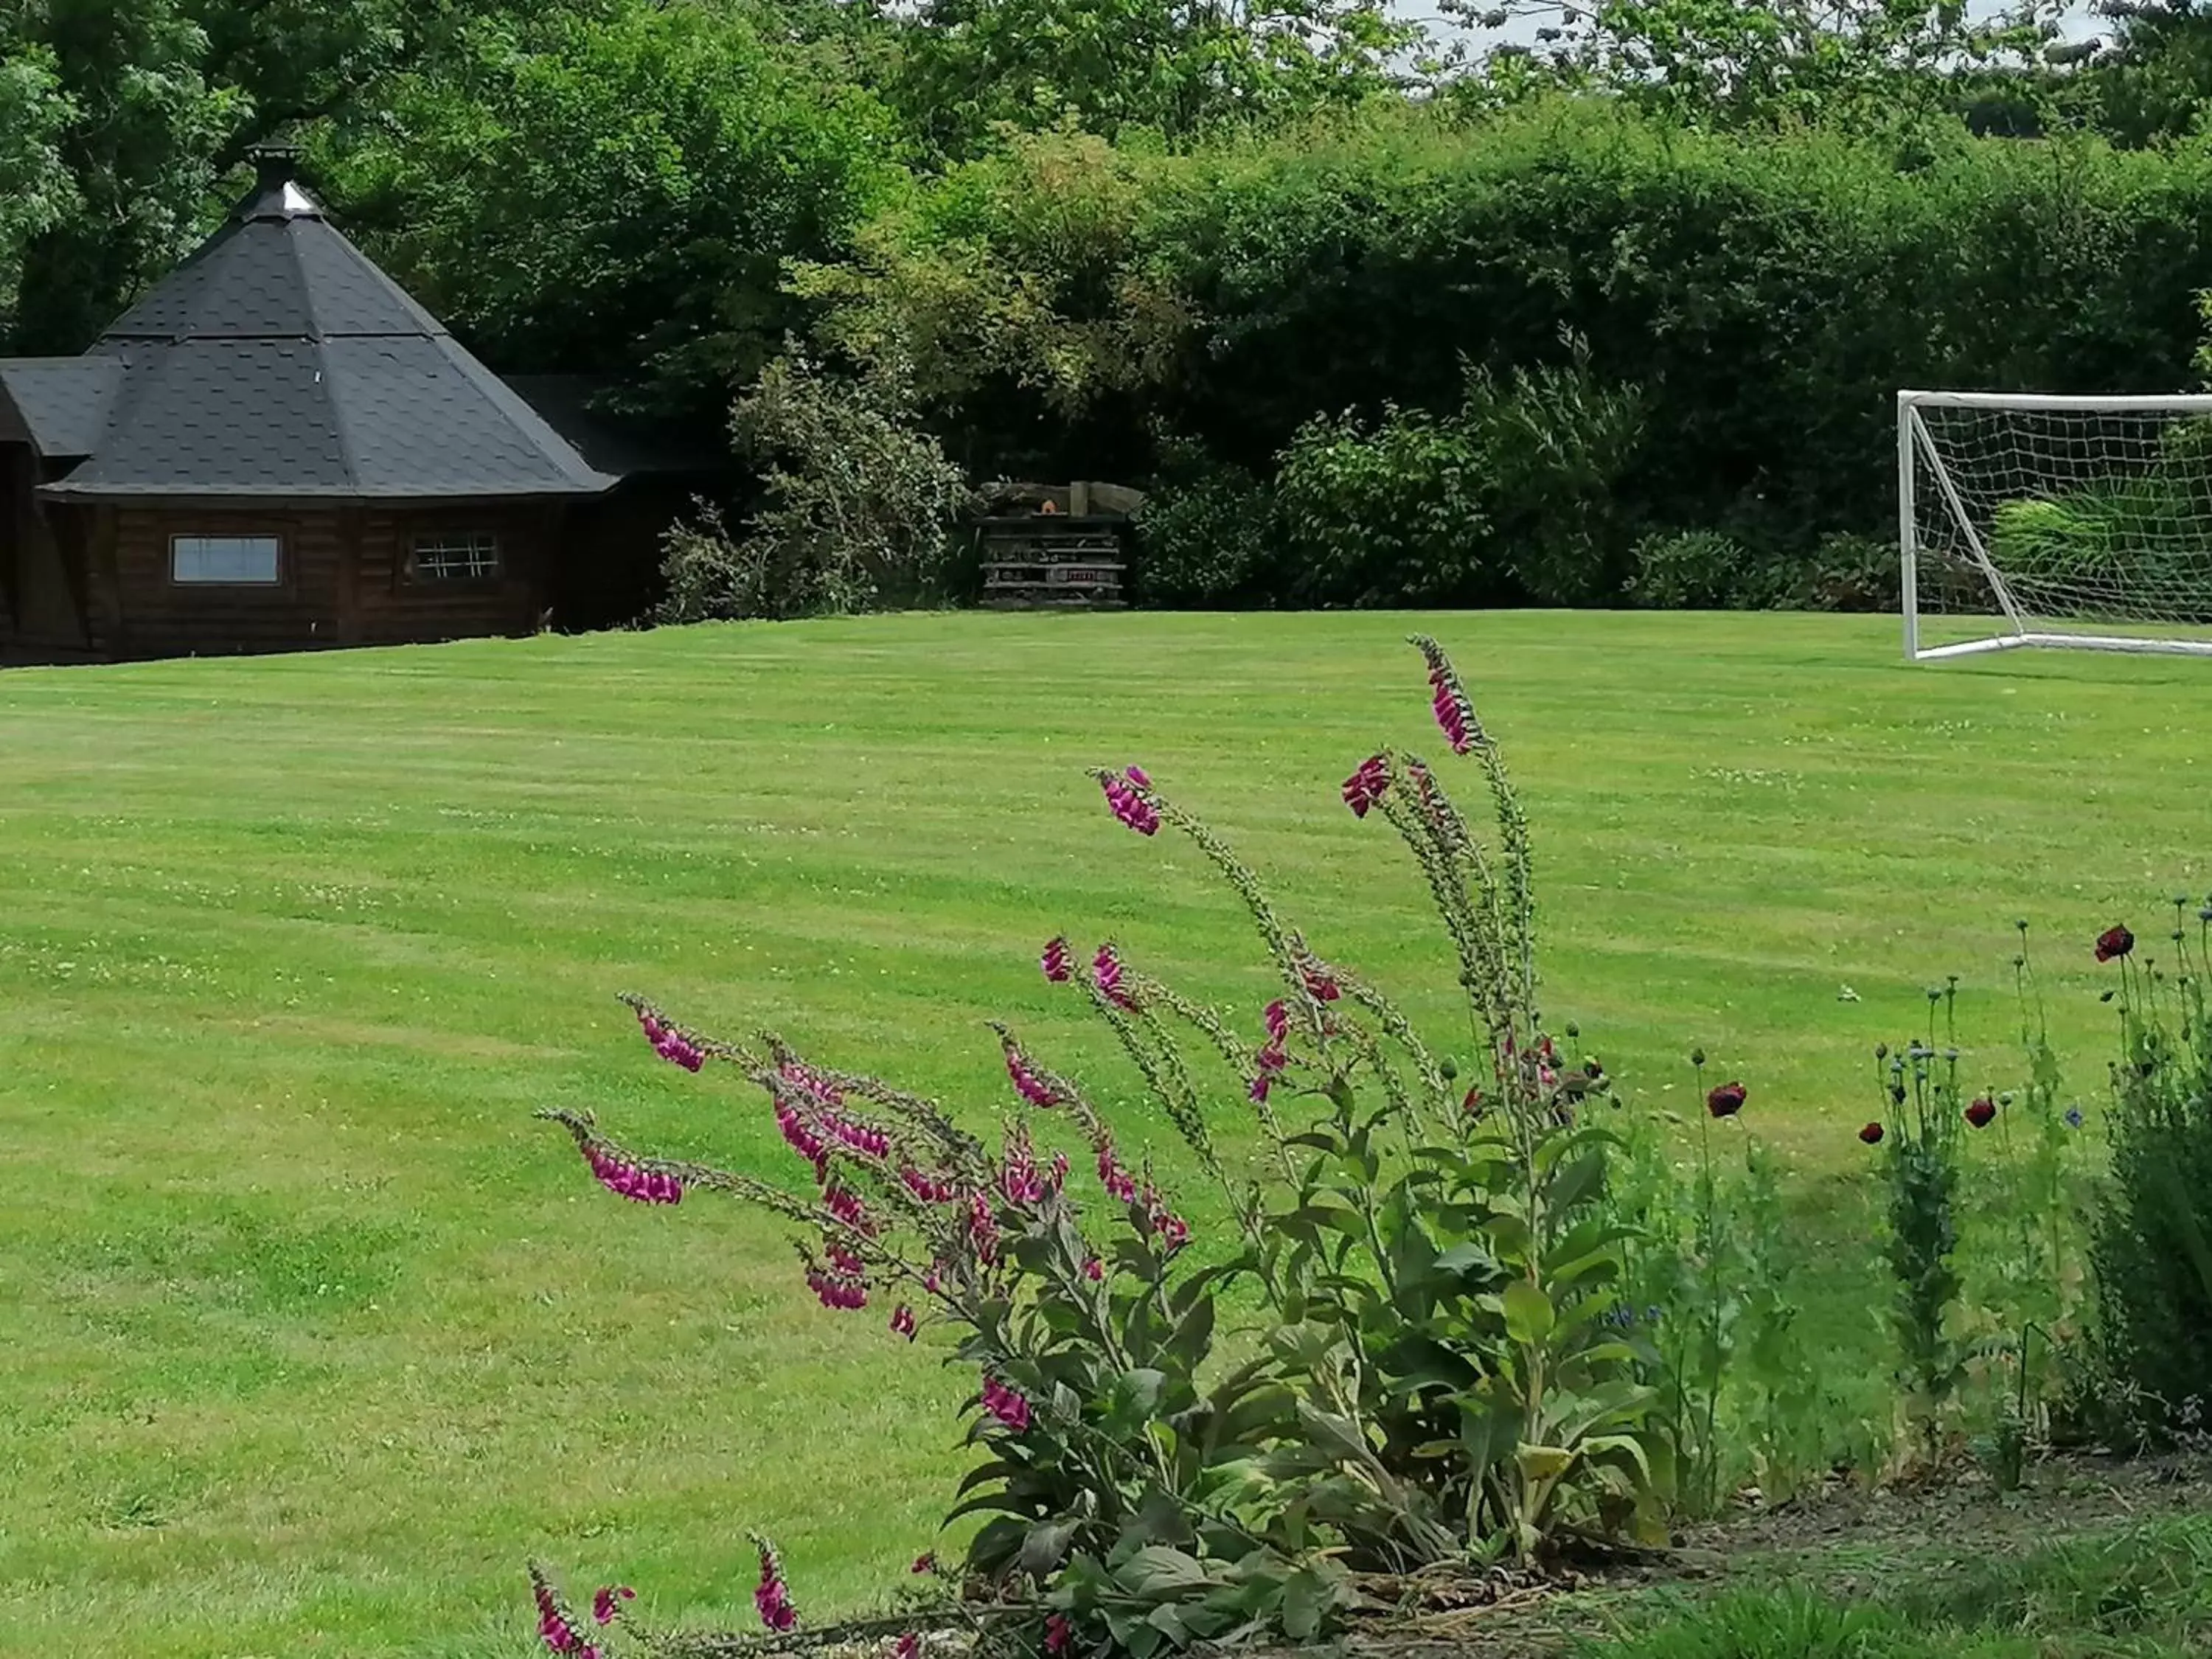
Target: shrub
1436,1370
1714,1282
1391,514
2151,1245
1848,572
1208,539
1504,500
1692,570
1926,1110
860,502
2139,538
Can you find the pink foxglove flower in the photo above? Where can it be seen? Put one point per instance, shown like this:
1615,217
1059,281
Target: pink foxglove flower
1171,1230
554,1626
1365,787
1058,1634
1094,1269
925,1188
908,1646
1128,804
1004,1404
800,1136
1054,962
772,1598
832,1291
1027,1083
1019,1178
1277,1016
1118,1182
1106,973
903,1323
606,1601
1454,713
1319,985
982,1229
802,1076
627,1180
849,1210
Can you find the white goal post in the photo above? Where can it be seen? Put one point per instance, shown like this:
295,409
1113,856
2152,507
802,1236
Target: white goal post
2082,523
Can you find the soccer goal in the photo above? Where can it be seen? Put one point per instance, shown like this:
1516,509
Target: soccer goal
2077,522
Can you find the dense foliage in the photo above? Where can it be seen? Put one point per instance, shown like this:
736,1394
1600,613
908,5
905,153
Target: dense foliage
1379,318
2153,1245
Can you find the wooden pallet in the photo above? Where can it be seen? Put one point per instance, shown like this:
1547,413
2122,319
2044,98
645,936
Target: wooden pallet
1094,584
1029,563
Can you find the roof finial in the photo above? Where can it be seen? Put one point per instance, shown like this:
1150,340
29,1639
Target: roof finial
275,164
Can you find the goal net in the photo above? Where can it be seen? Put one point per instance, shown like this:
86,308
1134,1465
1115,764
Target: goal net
2055,521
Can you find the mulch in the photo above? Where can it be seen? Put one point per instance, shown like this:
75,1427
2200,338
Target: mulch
1854,1533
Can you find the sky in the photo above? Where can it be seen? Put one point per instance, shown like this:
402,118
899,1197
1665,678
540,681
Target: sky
2080,23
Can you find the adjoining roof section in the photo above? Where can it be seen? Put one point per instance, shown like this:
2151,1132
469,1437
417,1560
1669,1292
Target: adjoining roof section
571,405
60,404
279,361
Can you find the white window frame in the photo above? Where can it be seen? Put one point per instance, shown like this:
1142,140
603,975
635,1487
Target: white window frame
467,545
202,542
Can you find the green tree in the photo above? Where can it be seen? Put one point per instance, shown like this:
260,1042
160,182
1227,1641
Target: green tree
618,187
2152,81
1764,61
144,109
860,510
1174,68
36,190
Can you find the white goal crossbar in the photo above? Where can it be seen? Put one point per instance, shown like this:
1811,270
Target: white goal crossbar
2033,519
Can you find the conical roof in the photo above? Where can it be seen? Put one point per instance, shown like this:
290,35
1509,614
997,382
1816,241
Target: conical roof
279,361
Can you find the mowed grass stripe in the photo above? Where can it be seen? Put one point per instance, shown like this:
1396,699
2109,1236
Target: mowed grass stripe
315,1334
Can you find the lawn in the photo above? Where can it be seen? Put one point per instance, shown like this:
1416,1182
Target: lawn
313,1335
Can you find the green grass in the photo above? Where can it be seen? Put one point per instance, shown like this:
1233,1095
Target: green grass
312,1336
2140,1592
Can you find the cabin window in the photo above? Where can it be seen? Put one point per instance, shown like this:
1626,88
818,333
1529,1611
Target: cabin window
225,561
455,556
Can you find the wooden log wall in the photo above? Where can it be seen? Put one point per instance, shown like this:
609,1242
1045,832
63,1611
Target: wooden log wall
343,578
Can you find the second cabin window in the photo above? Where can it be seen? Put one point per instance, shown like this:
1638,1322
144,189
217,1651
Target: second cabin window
454,557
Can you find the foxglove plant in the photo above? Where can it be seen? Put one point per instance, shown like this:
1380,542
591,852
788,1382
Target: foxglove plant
1437,1373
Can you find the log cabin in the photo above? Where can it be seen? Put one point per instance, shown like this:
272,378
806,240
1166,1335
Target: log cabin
276,448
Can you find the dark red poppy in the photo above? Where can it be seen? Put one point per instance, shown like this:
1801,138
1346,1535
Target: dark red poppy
2114,943
1727,1100
1871,1134
1982,1113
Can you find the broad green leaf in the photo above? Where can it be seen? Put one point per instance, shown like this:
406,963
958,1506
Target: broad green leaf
1047,1543
1158,1572
1530,1315
1544,1463
1306,1597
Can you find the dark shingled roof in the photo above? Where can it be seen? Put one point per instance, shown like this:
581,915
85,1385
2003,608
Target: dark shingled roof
279,361
62,403
621,444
